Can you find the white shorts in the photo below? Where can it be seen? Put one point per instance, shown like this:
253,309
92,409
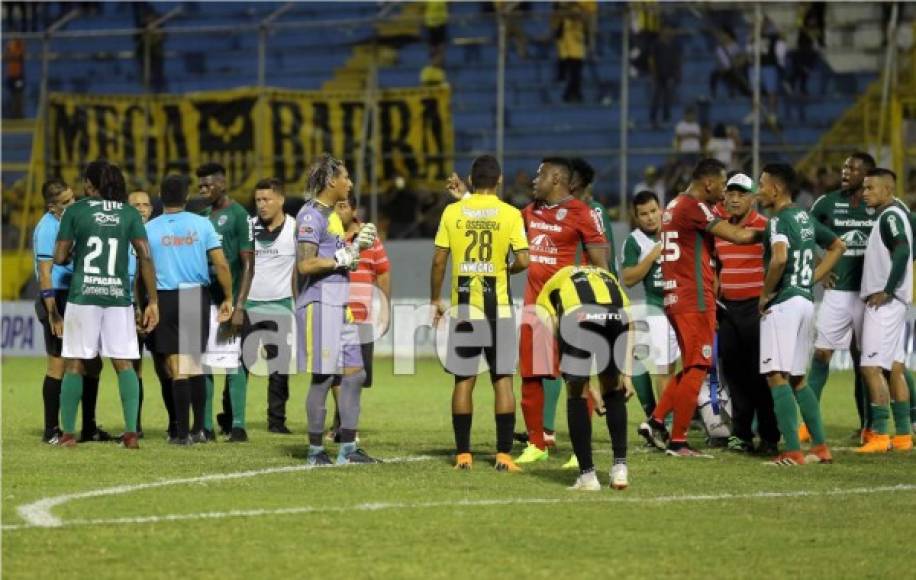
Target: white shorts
107,330
665,351
900,354
882,335
785,337
840,315
223,350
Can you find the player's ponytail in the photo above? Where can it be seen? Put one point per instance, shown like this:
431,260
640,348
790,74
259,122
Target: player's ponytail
112,185
320,174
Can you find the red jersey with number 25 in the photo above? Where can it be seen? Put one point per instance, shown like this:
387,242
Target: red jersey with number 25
687,263
554,233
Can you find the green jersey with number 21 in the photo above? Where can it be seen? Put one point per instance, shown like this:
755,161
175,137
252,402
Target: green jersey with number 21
101,232
795,228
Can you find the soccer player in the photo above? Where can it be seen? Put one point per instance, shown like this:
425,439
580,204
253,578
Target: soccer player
557,225
740,283
330,345
841,310
887,289
53,282
140,201
586,305
688,227
787,310
230,220
641,262
479,232
372,272
180,244
270,301
99,318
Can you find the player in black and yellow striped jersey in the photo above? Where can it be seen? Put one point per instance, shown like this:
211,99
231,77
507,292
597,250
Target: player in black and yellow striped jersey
588,308
480,232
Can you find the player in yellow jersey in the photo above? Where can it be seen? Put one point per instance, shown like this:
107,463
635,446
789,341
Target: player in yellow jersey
480,232
588,310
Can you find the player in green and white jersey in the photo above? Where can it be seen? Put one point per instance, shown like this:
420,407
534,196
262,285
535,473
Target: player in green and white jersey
841,311
224,345
99,318
640,263
901,351
787,309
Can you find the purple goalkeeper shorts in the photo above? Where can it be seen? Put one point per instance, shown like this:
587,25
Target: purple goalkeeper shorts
327,342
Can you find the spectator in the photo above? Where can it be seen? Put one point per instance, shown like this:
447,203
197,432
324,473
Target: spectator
570,32
772,65
435,17
401,206
14,65
10,238
514,14
665,64
687,135
653,182
645,22
731,66
519,193
721,146
805,57
150,44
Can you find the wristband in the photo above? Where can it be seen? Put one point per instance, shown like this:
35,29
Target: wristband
49,293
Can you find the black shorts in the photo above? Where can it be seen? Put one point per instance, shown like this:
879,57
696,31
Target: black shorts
53,344
468,340
588,338
184,322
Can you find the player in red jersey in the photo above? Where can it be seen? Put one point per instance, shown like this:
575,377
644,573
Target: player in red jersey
688,227
557,224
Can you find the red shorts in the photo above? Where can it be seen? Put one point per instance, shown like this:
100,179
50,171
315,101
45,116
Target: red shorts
695,333
537,348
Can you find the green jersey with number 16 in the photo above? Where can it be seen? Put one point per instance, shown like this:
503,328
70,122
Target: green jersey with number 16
795,228
101,232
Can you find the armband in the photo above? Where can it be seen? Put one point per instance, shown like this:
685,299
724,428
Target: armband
49,293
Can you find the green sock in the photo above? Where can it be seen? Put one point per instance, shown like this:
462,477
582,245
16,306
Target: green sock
208,407
552,390
642,384
71,392
901,412
129,387
817,376
238,389
786,411
811,413
911,387
879,416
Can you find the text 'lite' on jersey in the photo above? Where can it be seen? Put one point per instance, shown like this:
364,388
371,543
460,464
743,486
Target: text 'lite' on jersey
802,234
687,249
555,233
479,231
101,231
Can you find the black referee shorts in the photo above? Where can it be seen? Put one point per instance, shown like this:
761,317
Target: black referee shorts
587,338
184,322
492,338
53,345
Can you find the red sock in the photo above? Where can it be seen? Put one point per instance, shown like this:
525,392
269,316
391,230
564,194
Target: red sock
686,403
666,404
533,411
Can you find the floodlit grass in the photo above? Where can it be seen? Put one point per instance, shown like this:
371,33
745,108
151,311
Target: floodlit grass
421,518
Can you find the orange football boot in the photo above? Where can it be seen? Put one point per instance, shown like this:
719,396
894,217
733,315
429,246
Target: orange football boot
504,462
464,461
878,443
902,442
804,435
819,454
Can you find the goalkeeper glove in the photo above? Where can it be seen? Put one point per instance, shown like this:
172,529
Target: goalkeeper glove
366,236
344,258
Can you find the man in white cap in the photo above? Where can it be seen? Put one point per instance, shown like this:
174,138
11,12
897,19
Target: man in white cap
738,316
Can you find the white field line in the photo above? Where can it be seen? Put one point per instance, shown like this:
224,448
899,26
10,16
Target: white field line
377,506
38,514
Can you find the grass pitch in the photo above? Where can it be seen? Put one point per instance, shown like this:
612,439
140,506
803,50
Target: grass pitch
727,517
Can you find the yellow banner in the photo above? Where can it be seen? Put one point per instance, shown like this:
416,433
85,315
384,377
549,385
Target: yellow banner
254,134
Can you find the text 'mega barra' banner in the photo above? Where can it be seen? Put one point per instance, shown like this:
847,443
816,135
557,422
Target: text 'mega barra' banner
280,130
